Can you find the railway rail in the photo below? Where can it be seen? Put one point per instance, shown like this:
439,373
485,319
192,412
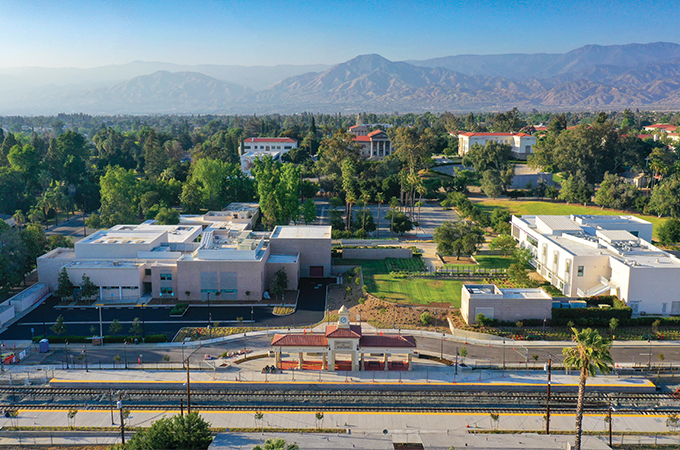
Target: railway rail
332,400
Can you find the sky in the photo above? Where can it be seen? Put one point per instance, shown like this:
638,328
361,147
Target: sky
91,33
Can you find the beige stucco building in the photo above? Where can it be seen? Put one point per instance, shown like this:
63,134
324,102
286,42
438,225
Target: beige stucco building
504,304
203,261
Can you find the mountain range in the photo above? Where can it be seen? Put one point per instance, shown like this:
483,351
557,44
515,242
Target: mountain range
588,78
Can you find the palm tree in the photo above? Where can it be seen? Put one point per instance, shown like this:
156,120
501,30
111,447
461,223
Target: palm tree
590,355
394,203
365,197
380,198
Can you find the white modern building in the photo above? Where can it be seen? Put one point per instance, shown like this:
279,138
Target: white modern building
254,148
586,255
522,143
267,144
219,260
504,304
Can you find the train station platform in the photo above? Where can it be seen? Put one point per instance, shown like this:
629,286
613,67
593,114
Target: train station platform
444,378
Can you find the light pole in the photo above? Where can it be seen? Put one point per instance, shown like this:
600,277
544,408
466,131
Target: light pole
503,357
125,350
66,350
456,372
441,348
85,356
183,360
252,314
143,322
547,401
101,330
649,363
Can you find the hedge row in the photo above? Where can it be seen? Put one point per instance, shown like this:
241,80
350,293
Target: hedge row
597,317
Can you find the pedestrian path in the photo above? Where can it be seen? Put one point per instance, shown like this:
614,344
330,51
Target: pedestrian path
441,378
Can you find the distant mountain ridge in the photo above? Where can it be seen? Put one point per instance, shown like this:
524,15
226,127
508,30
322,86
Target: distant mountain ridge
590,77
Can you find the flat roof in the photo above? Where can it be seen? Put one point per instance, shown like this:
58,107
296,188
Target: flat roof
90,264
301,232
558,223
282,259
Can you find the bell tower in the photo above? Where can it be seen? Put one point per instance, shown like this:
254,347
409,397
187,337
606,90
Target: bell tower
343,317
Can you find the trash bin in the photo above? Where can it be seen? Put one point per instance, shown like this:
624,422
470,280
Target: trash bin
44,346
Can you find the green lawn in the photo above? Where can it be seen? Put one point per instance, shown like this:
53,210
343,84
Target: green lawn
406,290
487,262
520,207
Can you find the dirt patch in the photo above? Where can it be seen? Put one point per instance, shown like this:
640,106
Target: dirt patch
454,260
383,314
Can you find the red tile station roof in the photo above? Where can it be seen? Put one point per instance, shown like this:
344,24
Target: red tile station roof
264,140
332,331
354,331
300,340
387,341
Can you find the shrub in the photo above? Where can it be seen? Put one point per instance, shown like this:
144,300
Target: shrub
179,309
426,318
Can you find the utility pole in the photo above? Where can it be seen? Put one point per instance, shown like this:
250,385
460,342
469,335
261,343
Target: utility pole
122,421
188,389
111,399
547,401
609,413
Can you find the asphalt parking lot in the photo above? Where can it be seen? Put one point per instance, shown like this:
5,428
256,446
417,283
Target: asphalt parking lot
156,318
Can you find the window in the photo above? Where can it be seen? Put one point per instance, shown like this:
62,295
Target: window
147,272
580,271
532,241
166,291
634,233
166,277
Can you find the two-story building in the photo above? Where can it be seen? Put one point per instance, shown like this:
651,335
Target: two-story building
374,145
522,143
586,255
190,261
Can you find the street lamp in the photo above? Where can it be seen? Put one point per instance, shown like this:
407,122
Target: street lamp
125,350
85,356
649,363
441,348
503,357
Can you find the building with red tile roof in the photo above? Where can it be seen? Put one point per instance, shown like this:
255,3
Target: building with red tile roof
342,340
661,127
374,145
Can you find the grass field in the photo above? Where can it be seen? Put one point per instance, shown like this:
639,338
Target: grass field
487,262
520,207
406,290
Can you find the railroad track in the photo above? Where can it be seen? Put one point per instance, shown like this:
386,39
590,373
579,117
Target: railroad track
330,400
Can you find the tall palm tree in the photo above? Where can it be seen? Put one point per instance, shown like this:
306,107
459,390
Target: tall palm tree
380,198
394,203
591,354
365,197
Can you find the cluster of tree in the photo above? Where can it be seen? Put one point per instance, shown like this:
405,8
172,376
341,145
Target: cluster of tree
182,432
21,246
459,238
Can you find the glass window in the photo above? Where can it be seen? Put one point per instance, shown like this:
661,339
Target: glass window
147,271
166,290
166,277
580,271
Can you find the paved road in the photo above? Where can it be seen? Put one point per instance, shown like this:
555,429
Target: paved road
156,318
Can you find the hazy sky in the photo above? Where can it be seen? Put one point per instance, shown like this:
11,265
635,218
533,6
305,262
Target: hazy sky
90,33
